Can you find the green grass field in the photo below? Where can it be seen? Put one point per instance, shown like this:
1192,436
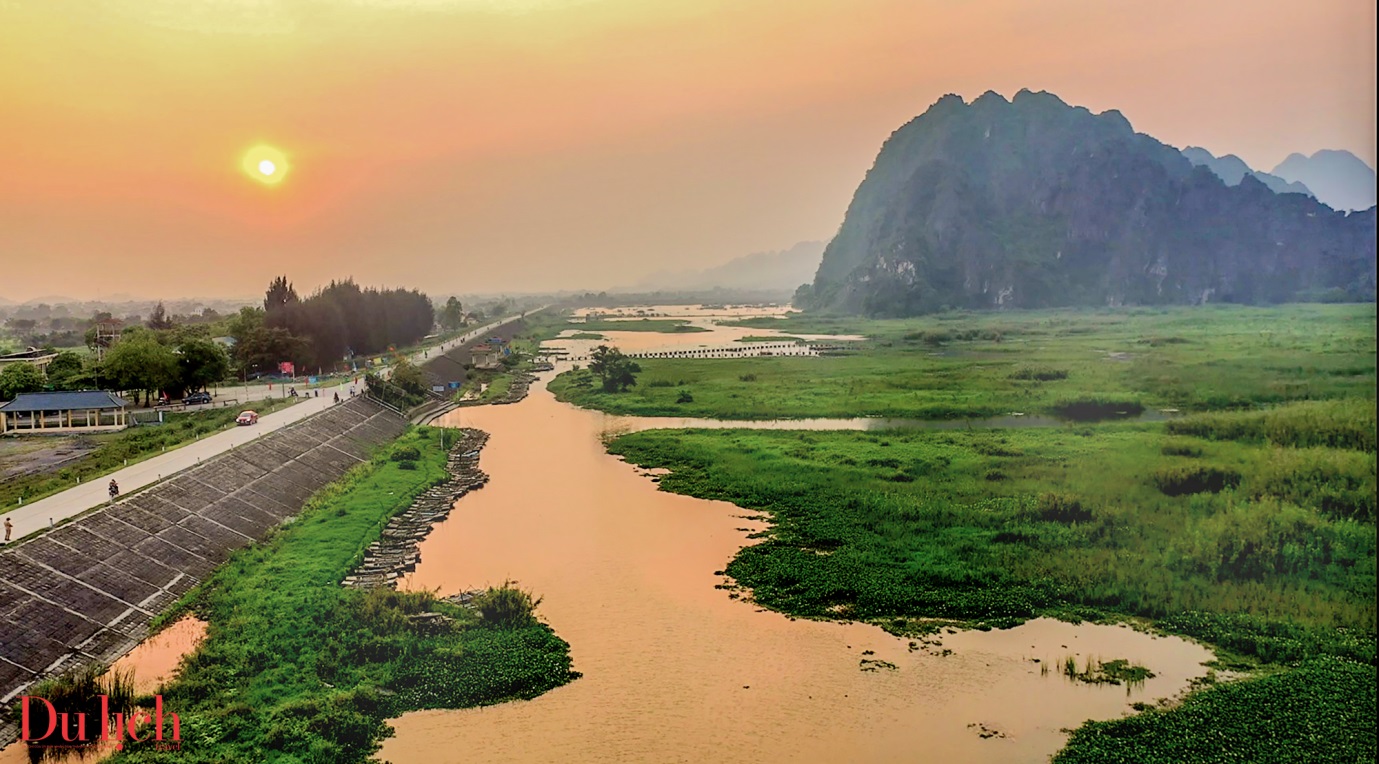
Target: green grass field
968,365
665,325
1265,551
1248,523
297,668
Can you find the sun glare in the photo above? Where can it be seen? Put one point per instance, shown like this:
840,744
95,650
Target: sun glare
265,164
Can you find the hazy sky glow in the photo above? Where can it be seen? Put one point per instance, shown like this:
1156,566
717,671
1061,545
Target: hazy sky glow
521,145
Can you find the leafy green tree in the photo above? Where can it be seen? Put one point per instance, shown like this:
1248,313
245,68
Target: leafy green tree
18,378
139,363
617,371
159,320
451,317
201,362
409,377
259,347
65,371
280,294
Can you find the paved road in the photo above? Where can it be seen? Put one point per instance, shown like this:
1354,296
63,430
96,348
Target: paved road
73,501
257,392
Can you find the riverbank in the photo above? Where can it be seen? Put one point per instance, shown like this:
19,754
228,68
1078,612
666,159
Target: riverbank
1267,554
676,669
296,665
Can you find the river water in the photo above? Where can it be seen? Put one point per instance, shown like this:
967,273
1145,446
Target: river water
676,671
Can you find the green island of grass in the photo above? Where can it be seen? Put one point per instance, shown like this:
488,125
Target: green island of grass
979,365
297,668
1253,532
664,325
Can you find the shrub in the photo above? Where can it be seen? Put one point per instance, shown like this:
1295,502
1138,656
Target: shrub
1039,374
1180,448
1092,409
1177,481
1251,541
1338,483
1061,508
506,607
684,397
1337,424
405,454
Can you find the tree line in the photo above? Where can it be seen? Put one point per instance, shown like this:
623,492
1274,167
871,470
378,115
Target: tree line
335,323
176,354
144,362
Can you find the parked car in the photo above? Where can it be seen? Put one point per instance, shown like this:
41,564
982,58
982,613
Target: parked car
247,417
193,399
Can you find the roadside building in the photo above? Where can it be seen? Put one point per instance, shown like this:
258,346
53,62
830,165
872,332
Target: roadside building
71,411
485,358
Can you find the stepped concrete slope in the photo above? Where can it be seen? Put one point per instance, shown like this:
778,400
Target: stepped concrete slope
87,590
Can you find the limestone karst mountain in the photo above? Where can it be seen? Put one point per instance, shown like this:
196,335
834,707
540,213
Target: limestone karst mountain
1032,202
1337,178
1232,169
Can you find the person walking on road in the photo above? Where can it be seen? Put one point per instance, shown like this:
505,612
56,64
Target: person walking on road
114,490
9,530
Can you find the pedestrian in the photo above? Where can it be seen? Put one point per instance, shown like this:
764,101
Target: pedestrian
337,397
9,529
114,490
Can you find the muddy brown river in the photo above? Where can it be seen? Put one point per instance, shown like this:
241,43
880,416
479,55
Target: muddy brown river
676,671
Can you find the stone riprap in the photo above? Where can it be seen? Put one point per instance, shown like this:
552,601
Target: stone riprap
396,552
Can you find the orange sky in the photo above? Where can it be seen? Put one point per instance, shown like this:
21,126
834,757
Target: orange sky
522,145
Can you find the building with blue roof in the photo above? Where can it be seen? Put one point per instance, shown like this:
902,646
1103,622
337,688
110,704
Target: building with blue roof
66,411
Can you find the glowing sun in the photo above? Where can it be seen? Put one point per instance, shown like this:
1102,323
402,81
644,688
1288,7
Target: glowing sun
265,164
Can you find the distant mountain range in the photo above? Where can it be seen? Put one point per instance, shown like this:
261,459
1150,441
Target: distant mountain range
1232,169
1034,203
762,271
1337,178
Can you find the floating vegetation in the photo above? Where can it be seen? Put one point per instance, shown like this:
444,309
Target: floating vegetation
1095,671
984,732
876,664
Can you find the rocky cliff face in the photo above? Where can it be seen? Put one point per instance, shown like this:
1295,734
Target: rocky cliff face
1034,203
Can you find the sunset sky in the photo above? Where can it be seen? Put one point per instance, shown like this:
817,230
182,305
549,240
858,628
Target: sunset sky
525,145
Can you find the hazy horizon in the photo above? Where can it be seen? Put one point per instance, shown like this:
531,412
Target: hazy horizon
524,146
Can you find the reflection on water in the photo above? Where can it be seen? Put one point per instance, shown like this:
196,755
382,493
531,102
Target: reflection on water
676,671
152,662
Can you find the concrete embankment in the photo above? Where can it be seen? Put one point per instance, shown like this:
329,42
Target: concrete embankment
86,591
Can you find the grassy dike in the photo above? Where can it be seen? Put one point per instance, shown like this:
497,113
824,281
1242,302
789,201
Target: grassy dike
1253,532
297,668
